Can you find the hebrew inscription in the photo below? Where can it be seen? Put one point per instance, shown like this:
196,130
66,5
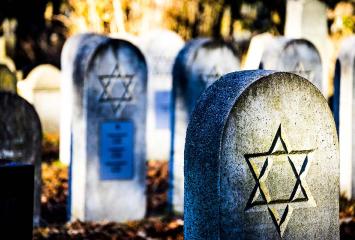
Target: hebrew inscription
280,185
116,94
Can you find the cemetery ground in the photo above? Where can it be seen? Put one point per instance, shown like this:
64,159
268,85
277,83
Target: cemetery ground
158,224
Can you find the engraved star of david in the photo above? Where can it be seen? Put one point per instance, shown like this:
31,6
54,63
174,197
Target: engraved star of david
106,81
299,69
210,77
280,185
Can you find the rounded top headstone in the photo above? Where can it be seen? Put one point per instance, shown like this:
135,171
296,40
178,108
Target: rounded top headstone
160,39
113,72
261,160
160,47
20,130
44,77
298,56
200,63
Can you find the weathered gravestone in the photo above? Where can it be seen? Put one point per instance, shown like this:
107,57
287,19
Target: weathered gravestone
77,52
197,66
21,139
8,80
160,48
108,132
261,161
297,56
344,114
42,89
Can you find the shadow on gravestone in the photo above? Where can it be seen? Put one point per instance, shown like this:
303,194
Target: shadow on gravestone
261,160
160,48
108,134
298,56
76,54
21,139
343,105
42,89
8,80
196,67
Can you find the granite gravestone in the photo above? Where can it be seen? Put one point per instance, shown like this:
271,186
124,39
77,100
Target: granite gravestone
42,89
197,66
21,139
297,56
108,134
261,161
77,52
8,80
160,48
343,105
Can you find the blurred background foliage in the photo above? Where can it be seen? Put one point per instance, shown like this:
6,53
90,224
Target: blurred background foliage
35,30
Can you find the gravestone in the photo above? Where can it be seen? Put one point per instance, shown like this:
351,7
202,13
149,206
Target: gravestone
108,132
261,161
77,52
196,67
307,19
8,80
160,48
21,139
42,89
255,50
298,56
343,105
16,201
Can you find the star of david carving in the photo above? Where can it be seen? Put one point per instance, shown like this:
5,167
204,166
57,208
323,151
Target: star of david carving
280,185
106,81
300,69
210,77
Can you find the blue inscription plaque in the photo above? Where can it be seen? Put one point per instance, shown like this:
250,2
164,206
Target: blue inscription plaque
116,150
162,113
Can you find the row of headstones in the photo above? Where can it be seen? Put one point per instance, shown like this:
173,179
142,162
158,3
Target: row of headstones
253,139
103,137
113,73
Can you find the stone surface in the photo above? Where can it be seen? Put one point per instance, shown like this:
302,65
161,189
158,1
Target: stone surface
77,52
197,66
42,89
21,139
108,131
301,18
160,48
255,51
261,161
8,80
343,105
295,55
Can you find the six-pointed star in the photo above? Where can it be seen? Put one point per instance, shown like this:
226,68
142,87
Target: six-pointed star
210,77
108,95
300,70
280,184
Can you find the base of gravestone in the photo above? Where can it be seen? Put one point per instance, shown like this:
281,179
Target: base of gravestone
16,201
